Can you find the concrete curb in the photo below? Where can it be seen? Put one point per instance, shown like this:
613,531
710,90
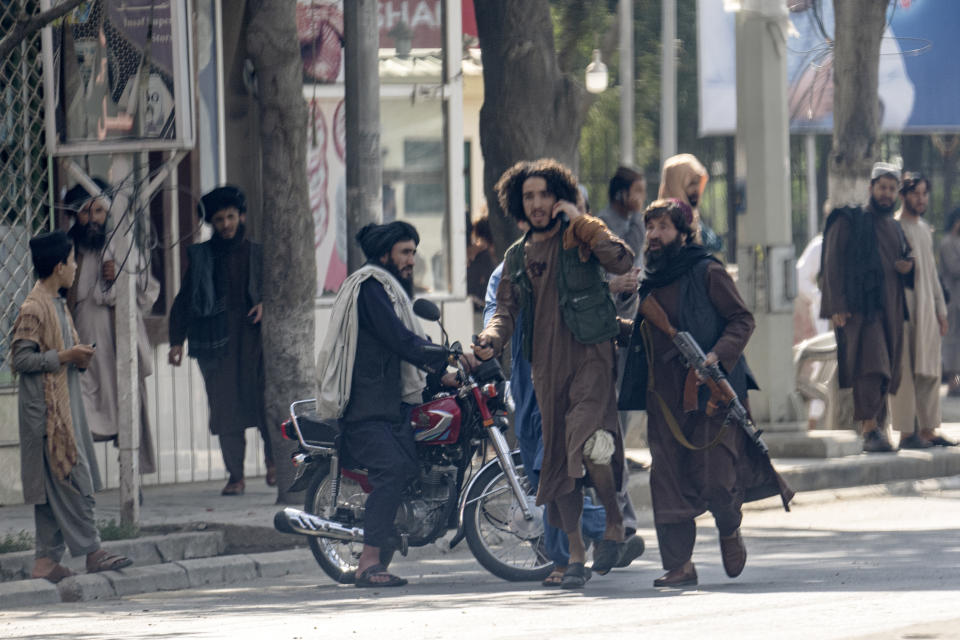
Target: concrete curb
184,574
22,593
145,551
863,470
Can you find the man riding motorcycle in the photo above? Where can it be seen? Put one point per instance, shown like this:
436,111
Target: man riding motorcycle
370,371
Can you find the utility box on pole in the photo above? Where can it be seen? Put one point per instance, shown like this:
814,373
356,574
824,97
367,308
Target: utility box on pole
765,249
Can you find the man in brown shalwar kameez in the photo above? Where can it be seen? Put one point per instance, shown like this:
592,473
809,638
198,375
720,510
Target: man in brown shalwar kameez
57,462
555,275
714,468
218,310
865,253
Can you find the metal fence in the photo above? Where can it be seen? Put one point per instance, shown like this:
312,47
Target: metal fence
24,170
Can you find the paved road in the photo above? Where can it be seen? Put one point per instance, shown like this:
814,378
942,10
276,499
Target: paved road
870,566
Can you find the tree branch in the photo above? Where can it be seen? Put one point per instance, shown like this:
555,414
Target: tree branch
26,26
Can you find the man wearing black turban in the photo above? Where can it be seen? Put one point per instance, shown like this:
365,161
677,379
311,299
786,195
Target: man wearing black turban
218,310
377,242
372,389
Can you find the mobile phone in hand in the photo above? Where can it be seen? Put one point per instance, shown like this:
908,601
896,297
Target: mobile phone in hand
82,369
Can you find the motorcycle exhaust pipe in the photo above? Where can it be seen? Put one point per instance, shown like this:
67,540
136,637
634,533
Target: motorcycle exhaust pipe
300,522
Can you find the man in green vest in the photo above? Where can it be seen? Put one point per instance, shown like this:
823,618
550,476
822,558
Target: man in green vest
555,275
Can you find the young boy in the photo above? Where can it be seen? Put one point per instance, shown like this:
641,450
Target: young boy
57,462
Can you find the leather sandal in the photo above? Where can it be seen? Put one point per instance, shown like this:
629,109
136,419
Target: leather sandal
633,548
555,579
103,560
575,576
58,573
364,579
606,556
940,441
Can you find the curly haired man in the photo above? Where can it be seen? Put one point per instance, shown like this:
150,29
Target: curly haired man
555,276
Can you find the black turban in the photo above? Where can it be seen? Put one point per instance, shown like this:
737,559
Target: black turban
378,239
78,195
48,250
219,199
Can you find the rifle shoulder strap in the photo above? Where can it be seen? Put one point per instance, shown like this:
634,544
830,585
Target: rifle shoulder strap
664,408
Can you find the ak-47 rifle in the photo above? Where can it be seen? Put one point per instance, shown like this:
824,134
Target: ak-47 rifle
721,392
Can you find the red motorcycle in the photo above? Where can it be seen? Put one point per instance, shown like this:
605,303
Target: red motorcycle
470,481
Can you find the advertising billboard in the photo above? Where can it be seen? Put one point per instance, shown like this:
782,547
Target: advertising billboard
919,89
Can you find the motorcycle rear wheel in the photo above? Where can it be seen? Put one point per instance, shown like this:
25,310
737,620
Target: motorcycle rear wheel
337,558
500,539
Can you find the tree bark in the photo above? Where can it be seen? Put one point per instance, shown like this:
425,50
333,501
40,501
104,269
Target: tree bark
947,147
289,262
859,27
531,109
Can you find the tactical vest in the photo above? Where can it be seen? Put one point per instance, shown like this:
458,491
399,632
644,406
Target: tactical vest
698,316
586,305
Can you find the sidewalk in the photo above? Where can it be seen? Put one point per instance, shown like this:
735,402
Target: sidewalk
195,536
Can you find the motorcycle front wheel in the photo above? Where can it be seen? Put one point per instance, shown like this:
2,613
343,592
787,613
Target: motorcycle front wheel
337,558
500,538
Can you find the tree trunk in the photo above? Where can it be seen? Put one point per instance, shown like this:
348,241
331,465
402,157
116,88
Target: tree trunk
289,271
859,26
531,109
911,150
947,147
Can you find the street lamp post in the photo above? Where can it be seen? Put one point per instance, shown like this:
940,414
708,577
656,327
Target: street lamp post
668,81
625,11
597,79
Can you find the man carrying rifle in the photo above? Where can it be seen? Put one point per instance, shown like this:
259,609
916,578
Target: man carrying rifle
703,457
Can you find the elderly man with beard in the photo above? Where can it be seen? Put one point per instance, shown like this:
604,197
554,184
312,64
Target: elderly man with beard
865,255
718,472
554,276
372,389
92,301
915,407
218,310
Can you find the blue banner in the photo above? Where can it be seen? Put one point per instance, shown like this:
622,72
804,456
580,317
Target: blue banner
919,85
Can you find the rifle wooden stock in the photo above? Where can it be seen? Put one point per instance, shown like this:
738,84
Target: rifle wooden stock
722,394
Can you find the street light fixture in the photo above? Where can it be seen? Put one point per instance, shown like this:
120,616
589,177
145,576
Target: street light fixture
597,76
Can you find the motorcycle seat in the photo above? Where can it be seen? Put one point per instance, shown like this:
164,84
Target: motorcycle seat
318,431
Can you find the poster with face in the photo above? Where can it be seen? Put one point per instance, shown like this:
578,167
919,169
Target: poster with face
117,70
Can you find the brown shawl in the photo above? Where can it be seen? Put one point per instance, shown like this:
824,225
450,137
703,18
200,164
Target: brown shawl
37,322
